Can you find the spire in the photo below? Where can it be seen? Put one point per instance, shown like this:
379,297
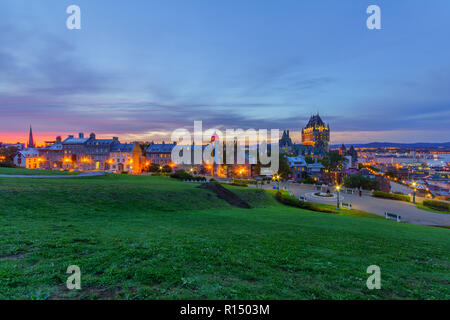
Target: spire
30,139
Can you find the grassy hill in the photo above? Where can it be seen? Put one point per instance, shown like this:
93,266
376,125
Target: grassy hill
34,172
157,238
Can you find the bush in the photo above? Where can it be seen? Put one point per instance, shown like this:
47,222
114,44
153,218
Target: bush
391,196
240,183
7,164
294,202
437,205
124,172
308,180
153,168
182,175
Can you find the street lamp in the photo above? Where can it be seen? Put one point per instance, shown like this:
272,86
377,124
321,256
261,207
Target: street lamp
338,189
414,192
277,179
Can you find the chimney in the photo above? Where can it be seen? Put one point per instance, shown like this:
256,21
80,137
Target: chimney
70,136
81,135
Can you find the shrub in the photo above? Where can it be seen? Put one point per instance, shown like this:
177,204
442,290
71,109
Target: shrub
294,202
239,183
153,168
124,172
7,164
182,175
437,205
391,196
308,180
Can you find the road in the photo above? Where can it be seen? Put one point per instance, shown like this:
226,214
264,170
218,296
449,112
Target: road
81,175
409,212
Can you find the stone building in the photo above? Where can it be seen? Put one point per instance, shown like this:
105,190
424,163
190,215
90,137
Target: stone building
126,157
285,143
28,158
85,154
160,154
316,133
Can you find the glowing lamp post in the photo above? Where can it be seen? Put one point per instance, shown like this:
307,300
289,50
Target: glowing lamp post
414,192
338,189
277,179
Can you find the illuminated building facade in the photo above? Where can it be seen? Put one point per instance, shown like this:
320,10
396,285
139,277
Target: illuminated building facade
316,133
90,154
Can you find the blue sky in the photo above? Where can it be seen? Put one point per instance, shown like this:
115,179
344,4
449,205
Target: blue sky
140,69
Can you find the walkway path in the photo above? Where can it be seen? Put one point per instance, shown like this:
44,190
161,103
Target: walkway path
81,175
408,211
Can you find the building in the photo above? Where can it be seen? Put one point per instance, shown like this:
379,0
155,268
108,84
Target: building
160,154
350,154
89,154
28,158
285,143
316,133
18,146
30,139
298,166
315,169
126,157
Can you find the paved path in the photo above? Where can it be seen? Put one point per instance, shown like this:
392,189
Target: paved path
81,175
409,212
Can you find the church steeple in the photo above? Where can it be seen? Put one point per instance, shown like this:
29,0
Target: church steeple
30,139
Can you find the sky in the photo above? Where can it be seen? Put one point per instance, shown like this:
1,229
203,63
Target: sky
143,68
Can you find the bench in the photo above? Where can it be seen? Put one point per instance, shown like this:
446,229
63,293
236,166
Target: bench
392,216
346,205
301,198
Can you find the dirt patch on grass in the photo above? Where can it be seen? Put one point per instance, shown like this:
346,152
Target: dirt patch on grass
13,256
88,292
225,194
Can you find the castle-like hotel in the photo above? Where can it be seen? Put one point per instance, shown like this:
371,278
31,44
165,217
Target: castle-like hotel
88,153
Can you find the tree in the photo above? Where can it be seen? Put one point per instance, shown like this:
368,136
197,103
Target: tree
359,181
284,171
7,156
167,169
333,161
309,160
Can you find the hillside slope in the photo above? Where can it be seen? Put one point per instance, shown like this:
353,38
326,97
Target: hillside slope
147,238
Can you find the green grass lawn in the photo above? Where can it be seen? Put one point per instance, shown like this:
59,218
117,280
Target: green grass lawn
34,172
157,238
